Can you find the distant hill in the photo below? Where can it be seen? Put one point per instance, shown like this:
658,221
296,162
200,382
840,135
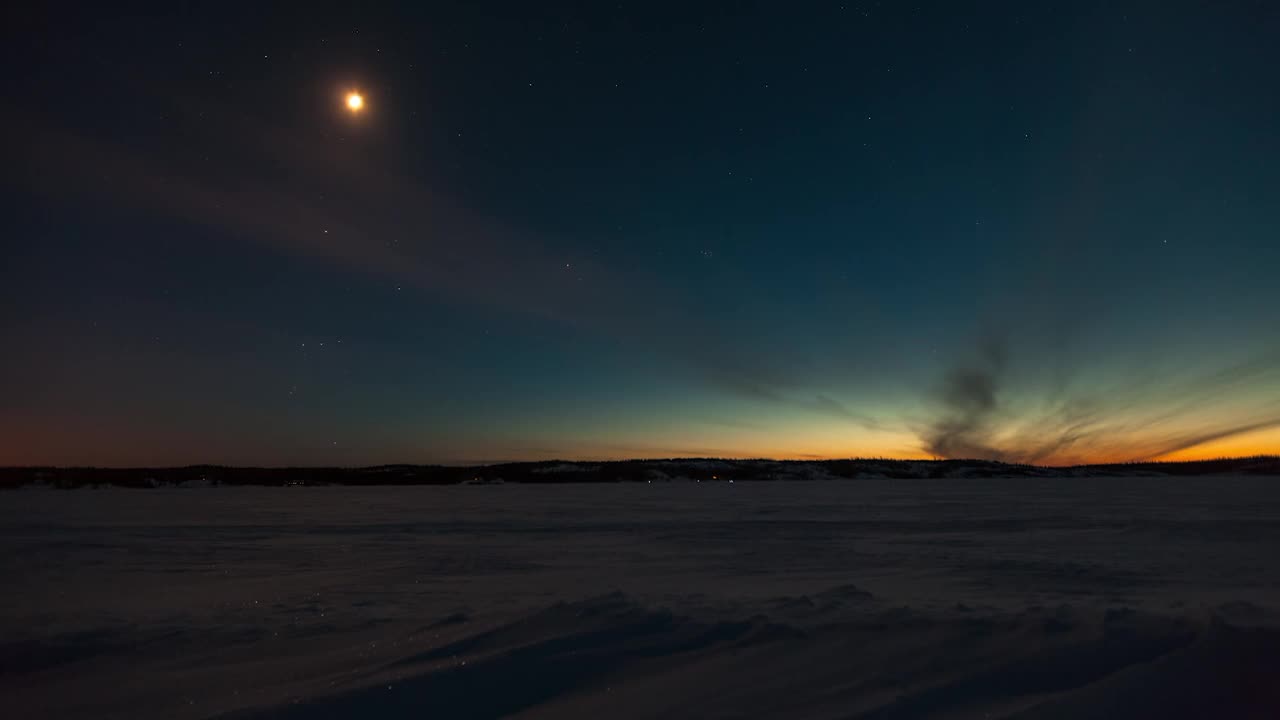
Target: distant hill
556,471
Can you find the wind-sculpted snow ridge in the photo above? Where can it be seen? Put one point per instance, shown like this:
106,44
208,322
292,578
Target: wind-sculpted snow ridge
834,655
1001,598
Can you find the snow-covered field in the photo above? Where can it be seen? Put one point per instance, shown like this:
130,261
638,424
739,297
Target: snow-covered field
1152,597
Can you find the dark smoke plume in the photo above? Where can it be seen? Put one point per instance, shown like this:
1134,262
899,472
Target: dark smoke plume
1135,418
969,398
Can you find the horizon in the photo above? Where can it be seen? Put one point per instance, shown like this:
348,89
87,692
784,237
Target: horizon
482,464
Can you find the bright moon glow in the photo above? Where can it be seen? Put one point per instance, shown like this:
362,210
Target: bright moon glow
354,101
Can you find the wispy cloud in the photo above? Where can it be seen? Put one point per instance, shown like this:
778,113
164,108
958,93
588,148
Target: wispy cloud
980,413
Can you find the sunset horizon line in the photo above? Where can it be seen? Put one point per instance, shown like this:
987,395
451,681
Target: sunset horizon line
649,459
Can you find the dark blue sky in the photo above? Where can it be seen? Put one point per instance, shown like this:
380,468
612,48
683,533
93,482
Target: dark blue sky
592,230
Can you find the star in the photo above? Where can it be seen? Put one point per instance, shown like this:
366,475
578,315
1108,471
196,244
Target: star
355,101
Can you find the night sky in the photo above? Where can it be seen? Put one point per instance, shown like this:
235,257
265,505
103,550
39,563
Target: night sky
1044,232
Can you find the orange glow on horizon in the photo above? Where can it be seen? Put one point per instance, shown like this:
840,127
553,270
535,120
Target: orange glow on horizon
1262,442
122,446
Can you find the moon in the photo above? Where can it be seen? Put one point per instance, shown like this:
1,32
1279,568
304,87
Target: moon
355,101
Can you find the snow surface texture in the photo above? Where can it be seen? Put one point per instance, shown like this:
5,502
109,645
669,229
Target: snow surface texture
1016,598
